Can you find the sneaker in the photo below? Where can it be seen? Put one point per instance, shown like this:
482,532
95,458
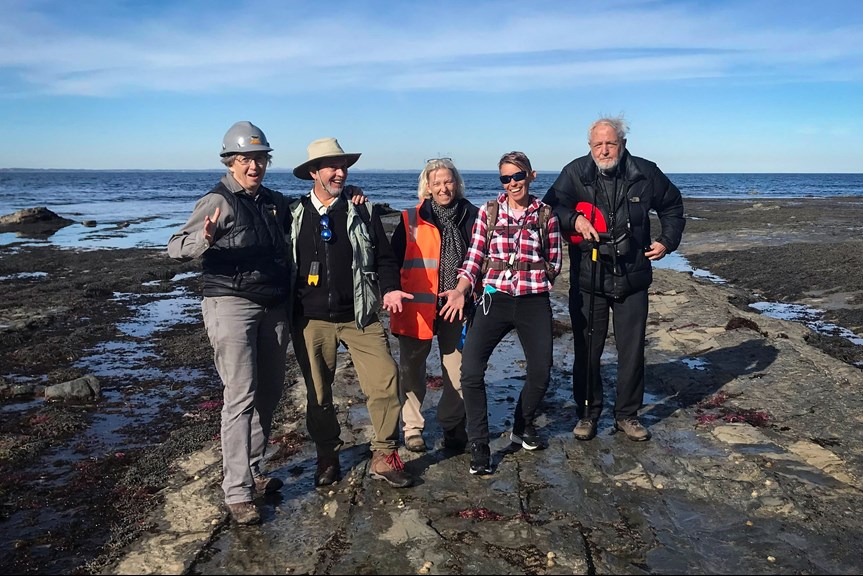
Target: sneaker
328,471
415,443
480,458
633,429
388,466
268,485
528,439
455,439
585,429
244,513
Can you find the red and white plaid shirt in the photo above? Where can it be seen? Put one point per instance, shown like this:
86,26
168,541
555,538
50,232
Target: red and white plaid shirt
513,237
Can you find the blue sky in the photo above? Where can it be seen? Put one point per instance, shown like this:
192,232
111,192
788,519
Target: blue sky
737,86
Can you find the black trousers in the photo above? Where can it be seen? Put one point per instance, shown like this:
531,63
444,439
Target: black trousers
530,316
630,324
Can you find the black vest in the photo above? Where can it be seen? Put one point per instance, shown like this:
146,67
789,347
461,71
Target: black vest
250,260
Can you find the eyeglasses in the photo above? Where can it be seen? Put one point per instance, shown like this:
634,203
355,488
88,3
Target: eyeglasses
326,233
260,160
444,159
518,177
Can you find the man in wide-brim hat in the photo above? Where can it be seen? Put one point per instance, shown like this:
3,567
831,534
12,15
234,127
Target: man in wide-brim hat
342,264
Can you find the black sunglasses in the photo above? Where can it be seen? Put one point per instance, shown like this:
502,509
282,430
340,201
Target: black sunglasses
518,177
326,233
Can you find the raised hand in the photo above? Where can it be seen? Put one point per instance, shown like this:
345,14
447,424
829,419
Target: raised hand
210,225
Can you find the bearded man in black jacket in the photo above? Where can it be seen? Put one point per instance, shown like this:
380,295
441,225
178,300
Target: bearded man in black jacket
610,266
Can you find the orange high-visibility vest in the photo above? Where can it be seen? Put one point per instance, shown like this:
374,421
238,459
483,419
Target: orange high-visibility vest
419,276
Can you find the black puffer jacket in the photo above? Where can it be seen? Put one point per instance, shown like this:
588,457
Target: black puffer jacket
625,199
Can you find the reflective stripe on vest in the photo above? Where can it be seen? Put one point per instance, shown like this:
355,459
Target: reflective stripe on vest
419,276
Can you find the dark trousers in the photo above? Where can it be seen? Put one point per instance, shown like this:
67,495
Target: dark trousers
530,316
630,323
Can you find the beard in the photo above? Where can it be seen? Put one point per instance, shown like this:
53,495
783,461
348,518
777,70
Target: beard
607,165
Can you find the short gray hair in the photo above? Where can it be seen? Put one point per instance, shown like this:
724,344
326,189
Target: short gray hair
437,164
617,123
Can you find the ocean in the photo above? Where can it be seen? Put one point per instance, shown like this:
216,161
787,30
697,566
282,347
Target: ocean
143,208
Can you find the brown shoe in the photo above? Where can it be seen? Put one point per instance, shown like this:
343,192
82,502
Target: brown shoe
328,472
585,429
633,429
415,443
244,513
389,467
268,485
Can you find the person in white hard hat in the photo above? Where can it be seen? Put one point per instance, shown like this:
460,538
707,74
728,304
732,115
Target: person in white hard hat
238,229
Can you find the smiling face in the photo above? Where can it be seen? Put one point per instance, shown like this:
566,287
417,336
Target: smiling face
330,176
606,147
442,186
516,190
249,170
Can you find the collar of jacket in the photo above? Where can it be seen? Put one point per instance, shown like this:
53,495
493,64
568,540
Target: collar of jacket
630,171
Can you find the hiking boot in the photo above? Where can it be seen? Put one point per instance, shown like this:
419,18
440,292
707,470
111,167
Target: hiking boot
328,471
455,439
415,443
388,466
244,513
528,439
268,485
633,429
480,458
585,429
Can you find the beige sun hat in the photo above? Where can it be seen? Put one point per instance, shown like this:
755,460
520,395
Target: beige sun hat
320,149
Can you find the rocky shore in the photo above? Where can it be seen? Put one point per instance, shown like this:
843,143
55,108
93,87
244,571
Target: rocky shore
755,465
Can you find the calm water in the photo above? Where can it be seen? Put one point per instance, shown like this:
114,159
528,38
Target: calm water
143,208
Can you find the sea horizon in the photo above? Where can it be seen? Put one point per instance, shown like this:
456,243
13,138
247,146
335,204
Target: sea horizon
142,208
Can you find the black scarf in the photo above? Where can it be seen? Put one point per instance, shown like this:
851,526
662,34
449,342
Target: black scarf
452,247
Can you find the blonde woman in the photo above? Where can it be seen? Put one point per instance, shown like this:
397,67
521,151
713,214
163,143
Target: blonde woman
430,243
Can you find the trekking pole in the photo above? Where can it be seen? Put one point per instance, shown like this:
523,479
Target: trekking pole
593,256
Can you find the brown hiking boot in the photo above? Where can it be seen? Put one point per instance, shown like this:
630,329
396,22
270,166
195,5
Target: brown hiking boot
633,429
328,472
415,443
244,513
268,485
388,466
585,429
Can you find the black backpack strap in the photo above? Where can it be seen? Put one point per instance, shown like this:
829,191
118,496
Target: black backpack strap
491,208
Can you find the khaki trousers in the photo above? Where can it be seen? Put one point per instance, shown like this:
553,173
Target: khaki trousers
316,344
413,354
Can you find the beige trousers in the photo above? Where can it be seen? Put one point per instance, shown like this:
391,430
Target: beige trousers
413,354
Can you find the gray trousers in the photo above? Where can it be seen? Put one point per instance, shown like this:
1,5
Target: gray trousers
249,346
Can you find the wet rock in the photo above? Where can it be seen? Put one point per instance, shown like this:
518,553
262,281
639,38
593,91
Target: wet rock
84,388
88,223
37,221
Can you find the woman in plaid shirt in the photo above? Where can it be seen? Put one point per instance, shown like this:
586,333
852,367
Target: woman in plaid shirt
515,272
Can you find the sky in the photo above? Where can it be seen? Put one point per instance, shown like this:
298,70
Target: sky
732,86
